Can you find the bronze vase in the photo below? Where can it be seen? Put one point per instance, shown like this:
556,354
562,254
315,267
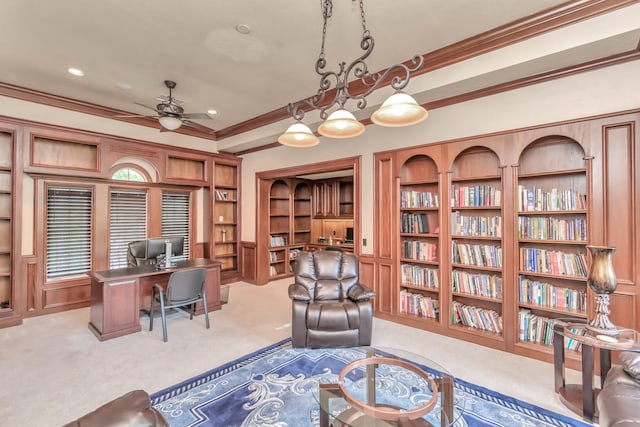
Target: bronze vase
602,281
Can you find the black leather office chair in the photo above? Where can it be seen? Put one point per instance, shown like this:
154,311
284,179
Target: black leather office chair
330,307
185,288
137,254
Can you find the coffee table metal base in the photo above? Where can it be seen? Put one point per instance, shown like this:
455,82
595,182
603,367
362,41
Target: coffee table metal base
354,418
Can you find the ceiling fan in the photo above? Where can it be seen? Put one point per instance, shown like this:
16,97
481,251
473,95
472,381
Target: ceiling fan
170,113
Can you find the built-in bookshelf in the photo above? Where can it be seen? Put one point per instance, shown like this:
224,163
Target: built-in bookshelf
226,217
279,228
476,221
419,217
552,228
6,221
302,213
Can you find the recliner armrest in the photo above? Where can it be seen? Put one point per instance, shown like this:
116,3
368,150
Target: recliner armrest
299,292
360,292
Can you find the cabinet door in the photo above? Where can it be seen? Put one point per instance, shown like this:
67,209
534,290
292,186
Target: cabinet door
319,200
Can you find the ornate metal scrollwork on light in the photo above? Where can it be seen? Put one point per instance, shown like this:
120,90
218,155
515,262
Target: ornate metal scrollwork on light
399,109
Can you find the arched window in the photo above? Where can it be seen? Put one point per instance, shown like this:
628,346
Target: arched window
130,173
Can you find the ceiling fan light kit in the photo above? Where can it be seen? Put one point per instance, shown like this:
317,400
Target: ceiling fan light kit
170,122
399,109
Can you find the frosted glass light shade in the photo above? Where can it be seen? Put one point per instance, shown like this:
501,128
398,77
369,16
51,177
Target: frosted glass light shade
298,135
341,124
170,122
398,110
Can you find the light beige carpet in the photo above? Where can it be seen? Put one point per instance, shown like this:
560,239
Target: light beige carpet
53,369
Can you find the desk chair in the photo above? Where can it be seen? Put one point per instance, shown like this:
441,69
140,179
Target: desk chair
185,287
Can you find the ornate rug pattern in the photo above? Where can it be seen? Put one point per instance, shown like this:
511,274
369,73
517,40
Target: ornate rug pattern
273,387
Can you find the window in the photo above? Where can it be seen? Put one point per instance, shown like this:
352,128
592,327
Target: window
129,174
68,236
127,223
175,218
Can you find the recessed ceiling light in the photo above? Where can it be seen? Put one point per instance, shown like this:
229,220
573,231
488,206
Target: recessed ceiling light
212,112
76,72
243,28
123,86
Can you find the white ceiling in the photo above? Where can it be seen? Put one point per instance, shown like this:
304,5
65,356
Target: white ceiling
141,43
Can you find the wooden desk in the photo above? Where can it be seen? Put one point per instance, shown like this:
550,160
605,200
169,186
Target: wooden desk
118,295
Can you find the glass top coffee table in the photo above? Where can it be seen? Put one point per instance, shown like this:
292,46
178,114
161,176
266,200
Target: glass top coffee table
376,387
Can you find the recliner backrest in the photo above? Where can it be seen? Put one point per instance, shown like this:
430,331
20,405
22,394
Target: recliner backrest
328,275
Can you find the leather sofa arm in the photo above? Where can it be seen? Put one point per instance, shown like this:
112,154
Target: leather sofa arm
360,292
299,292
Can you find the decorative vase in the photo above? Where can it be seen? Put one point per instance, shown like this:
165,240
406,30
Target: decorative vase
602,281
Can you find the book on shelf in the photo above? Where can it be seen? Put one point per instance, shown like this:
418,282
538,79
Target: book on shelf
221,195
475,317
419,250
475,195
537,260
537,199
414,223
539,330
418,305
415,275
547,295
278,240
475,226
272,271
418,199
479,255
548,228
485,285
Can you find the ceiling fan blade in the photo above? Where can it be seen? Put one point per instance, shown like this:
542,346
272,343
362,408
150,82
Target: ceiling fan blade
137,115
198,126
196,116
146,106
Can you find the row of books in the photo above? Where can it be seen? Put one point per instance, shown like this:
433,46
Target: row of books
475,317
418,199
537,199
273,257
278,240
485,285
221,195
272,271
539,330
415,275
537,260
546,228
418,305
478,226
419,250
480,255
414,223
547,295
475,195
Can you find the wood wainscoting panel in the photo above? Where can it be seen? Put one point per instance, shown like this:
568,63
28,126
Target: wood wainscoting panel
67,297
248,261
386,295
623,309
384,207
189,169
53,153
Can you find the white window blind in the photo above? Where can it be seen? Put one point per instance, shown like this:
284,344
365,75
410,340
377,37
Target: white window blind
127,223
68,231
175,218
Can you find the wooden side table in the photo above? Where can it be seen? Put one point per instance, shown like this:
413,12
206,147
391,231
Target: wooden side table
581,398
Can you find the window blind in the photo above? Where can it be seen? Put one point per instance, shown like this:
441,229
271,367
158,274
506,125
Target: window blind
127,223
68,238
176,218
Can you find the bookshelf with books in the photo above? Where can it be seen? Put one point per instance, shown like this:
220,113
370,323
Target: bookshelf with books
7,294
420,296
552,226
476,230
279,228
302,213
226,213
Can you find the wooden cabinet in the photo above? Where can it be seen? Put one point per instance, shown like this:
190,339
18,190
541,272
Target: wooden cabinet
333,199
492,232
7,294
226,218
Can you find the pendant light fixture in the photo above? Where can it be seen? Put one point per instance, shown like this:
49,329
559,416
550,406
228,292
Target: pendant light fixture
399,109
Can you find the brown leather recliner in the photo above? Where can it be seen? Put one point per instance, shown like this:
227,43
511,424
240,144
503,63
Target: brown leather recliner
330,307
131,409
619,399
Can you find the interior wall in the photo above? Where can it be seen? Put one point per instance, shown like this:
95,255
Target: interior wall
602,91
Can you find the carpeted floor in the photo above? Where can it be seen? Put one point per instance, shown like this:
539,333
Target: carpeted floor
278,386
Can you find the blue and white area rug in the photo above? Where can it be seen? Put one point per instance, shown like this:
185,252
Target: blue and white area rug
275,387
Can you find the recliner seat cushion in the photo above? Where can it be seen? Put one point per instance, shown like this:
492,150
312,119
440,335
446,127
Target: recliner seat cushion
333,316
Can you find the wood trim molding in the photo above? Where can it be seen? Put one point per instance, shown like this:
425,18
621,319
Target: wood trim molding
547,20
